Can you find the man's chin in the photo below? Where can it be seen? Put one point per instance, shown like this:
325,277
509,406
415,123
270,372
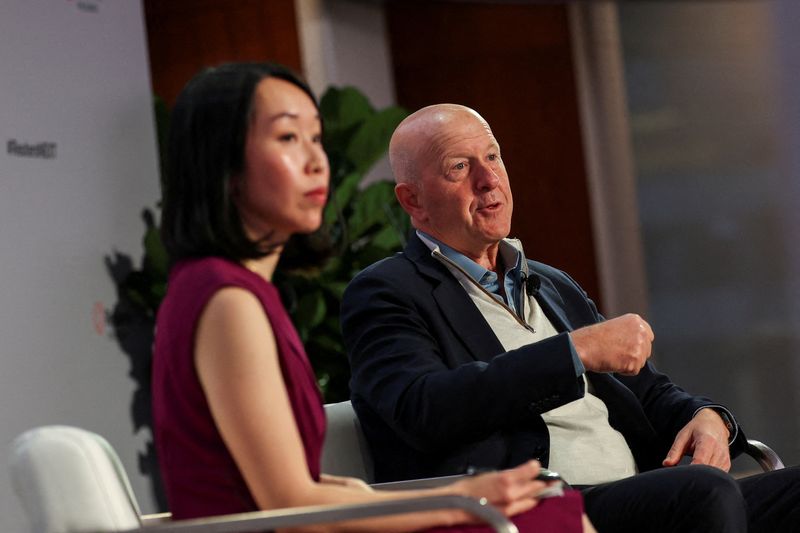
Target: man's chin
496,234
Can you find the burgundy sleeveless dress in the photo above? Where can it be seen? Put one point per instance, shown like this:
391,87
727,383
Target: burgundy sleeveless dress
199,473
200,476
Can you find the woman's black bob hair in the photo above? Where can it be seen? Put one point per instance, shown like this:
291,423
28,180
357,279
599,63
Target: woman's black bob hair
208,129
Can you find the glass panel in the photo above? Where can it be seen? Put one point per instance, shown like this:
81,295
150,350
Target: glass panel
717,224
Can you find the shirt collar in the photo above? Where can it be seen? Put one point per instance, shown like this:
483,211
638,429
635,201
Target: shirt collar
509,250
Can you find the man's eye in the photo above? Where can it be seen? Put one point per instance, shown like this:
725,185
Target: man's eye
460,166
493,157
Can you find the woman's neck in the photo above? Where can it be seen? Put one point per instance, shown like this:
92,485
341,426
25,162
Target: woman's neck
264,266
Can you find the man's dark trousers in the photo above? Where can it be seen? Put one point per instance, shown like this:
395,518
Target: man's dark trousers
695,498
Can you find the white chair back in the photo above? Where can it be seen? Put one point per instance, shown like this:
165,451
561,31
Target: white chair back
70,480
345,451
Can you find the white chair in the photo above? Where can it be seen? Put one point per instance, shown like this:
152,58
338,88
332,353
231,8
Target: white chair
70,480
346,451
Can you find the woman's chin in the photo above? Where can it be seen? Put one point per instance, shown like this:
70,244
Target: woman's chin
311,225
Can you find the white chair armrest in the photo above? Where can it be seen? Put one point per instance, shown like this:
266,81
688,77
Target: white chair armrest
422,483
266,520
155,518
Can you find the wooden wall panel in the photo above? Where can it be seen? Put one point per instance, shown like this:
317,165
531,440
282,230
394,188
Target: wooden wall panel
186,35
513,64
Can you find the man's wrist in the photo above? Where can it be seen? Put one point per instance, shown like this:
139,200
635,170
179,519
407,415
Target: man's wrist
580,369
727,419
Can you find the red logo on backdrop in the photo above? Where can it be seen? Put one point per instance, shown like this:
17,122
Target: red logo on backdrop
99,318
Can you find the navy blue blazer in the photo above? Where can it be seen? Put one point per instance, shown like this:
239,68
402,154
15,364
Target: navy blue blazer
436,393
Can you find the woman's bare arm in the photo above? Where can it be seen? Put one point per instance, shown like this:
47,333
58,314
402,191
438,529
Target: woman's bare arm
237,363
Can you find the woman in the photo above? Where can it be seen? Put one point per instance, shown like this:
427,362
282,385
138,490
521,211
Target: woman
238,417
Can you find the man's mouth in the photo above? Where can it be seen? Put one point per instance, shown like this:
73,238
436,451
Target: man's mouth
489,207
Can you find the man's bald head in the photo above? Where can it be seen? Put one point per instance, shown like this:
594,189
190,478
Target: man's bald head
451,179
417,139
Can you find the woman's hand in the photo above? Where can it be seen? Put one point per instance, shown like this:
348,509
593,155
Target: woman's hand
511,491
351,482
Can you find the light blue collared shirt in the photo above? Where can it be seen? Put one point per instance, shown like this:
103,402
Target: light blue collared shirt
512,280
512,284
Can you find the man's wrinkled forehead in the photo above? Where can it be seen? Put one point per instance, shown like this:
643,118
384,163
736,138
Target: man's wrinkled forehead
450,137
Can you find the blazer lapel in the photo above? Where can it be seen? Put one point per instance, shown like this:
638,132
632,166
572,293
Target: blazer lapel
454,303
553,305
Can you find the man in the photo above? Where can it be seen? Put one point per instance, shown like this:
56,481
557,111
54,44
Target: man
467,356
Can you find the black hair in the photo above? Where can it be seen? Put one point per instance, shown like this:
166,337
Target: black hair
208,131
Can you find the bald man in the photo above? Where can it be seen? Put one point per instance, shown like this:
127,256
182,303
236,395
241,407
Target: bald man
465,356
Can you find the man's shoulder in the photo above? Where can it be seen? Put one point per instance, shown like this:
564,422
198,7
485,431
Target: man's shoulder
557,277
388,265
543,269
403,271
394,275
397,268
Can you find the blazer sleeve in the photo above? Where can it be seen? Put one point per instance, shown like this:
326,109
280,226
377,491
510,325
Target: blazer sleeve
417,374
667,406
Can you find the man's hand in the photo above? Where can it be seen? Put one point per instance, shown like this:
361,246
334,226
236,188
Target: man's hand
706,438
620,345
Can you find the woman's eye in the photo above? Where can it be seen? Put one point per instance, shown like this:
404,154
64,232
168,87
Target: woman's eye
317,138
493,157
287,137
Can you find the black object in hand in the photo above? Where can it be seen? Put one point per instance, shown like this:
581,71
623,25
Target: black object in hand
548,475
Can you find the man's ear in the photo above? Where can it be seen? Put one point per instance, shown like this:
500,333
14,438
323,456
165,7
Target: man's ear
408,196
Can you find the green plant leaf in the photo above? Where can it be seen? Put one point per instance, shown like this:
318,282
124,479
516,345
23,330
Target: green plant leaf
328,344
387,239
311,309
341,197
371,140
343,108
368,208
156,256
336,288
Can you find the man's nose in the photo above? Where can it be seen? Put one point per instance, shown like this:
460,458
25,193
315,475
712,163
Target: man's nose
486,178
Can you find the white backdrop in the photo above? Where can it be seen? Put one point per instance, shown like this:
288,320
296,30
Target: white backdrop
78,164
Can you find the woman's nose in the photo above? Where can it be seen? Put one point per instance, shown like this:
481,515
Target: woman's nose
317,159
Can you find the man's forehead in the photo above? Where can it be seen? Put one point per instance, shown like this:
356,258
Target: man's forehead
455,143
427,137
